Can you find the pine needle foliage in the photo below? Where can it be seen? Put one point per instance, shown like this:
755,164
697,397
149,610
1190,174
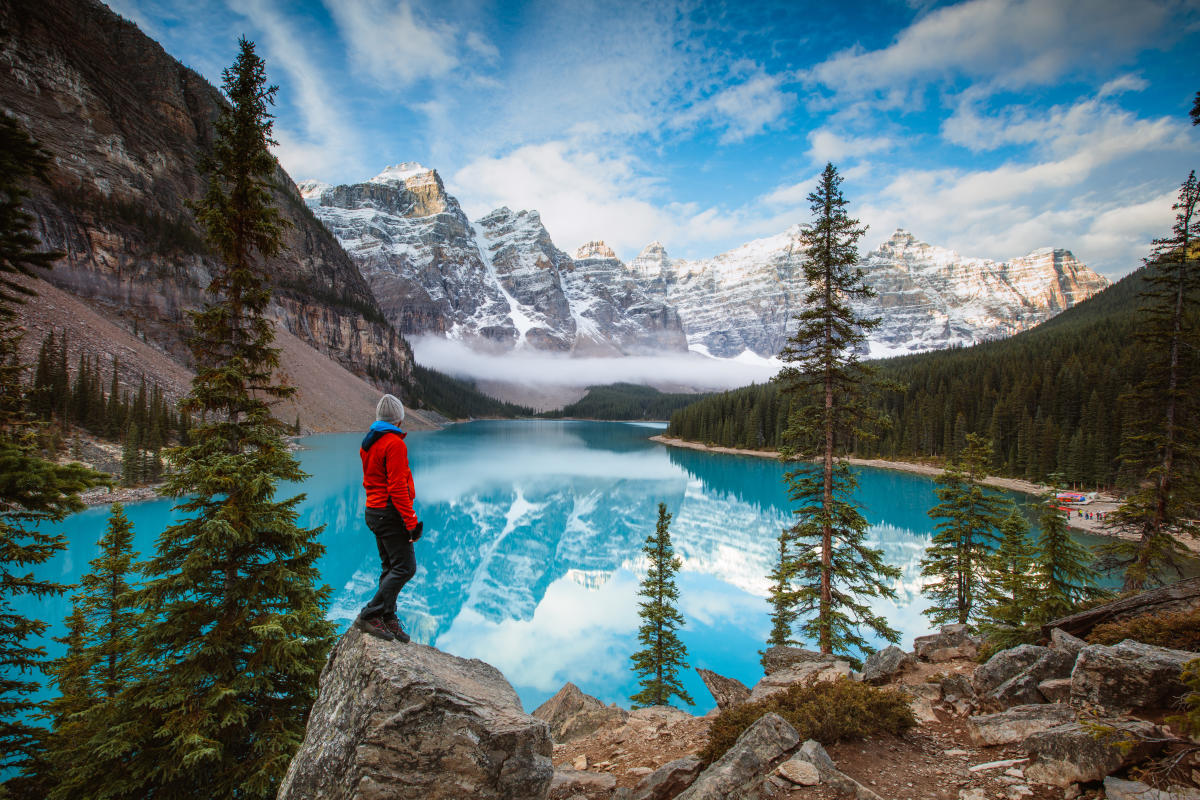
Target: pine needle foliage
1008,594
663,655
238,635
34,492
1163,447
1062,569
969,517
834,570
92,732
781,597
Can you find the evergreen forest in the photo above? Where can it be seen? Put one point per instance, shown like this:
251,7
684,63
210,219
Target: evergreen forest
617,401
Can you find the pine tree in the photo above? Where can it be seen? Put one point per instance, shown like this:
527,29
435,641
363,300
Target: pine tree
93,733
1165,442
1008,594
240,635
1196,110
663,655
835,568
1061,569
33,491
781,596
957,558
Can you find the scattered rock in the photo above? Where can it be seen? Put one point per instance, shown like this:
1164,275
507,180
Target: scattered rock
1005,665
413,716
728,692
1008,762
783,679
1118,679
812,752
1056,690
580,762
1018,722
756,753
668,780
974,793
886,664
953,641
1071,753
800,771
572,783
1061,640
570,714
781,657
1117,789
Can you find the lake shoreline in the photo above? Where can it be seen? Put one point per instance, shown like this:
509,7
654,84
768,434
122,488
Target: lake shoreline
1091,526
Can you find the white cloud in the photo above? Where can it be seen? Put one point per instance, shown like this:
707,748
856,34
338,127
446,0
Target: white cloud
747,107
1121,84
1011,43
396,43
829,146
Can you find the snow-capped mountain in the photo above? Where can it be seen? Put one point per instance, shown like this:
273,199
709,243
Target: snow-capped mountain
499,282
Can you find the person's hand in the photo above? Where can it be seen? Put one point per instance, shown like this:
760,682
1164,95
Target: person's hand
416,532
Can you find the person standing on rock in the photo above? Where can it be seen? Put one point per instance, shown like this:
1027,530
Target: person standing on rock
390,516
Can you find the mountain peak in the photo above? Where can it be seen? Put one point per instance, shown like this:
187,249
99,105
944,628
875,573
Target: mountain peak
596,249
312,189
400,173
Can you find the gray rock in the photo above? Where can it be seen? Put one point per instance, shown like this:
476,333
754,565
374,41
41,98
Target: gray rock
570,714
812,752
886,664
922,696
668,780
956,686
1005,665
728,692
1117,789
441,726
1061,640
1072,753
952,641
756,753
1022,688
783,679
800,772
1130,675
1015,724
1056,690
781,657
569,783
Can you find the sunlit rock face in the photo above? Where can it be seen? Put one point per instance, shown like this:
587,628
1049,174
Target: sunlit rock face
928,297
499,282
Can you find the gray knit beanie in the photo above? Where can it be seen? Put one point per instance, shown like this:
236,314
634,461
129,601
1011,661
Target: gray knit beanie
390,409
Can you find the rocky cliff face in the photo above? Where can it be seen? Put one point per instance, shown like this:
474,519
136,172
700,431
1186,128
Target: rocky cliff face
125,124
499,283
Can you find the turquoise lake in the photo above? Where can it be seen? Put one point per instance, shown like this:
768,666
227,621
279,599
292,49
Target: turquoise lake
532,550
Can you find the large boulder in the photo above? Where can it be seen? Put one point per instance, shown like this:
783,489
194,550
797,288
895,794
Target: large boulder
669,780
1061,640
1127,676
1073,753
570,714
1118,789
802,672
1023,688
728,692
1015,724
411,721
886,664
1006,665
757,752
781,657
952,641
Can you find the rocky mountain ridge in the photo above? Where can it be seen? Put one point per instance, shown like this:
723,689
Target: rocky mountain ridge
501,283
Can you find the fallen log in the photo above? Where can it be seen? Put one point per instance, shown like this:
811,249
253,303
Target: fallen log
1180,596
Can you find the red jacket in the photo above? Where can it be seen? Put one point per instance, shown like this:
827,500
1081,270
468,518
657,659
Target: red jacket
386,475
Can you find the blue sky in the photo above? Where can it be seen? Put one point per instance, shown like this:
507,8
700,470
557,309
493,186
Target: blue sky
989,126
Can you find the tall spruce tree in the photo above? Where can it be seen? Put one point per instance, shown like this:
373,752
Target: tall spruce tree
970,515
663,655
34,492
1164,408
1008,592
92,733
239,633
835,570
781,596
1061,568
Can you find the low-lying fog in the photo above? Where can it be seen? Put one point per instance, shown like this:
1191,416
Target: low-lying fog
550,380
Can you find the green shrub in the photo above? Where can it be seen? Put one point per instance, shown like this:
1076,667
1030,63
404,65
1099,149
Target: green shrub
828,711
1189,720
1179,631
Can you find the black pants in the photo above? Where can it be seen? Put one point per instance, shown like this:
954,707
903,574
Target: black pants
398,561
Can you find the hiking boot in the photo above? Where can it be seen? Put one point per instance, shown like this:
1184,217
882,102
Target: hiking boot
375,627
393,625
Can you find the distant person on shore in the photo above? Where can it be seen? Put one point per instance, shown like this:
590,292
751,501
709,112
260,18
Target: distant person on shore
390,516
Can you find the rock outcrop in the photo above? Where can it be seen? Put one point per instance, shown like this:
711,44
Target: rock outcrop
669,780
760,748
886,664
413,721
952,641
781,657
1127,676
1017,723
570,713
1074,753
783,679
728,692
